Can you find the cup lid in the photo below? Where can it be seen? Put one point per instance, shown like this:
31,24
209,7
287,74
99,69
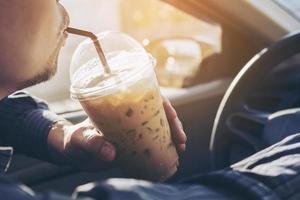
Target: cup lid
125,56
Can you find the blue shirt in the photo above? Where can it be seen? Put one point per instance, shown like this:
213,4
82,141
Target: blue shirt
270,174
25,122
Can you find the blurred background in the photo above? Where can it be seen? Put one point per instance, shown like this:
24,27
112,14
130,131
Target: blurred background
179,41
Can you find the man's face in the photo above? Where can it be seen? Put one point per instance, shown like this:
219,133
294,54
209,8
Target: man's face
31,35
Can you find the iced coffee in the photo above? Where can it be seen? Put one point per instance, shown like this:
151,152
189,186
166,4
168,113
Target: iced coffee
127,107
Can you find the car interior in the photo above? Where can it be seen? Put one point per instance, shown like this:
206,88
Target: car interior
235,86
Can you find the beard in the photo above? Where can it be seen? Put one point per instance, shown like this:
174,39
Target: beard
48,71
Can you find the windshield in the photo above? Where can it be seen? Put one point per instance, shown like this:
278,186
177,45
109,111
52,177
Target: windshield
291,6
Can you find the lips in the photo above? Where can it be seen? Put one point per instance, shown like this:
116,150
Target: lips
66,18
66,22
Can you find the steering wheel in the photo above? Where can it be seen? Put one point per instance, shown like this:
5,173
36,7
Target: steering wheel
236,123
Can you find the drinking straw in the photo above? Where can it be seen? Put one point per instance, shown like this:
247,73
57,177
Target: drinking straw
97,45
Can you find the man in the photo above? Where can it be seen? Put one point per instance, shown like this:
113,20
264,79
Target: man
31,35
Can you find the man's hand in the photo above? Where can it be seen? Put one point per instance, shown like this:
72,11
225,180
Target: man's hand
178,134
80,145
85,147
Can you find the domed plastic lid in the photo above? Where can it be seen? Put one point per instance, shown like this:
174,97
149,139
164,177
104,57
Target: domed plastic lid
125,57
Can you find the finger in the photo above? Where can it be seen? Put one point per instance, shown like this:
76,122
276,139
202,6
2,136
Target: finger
85,123
172,117
169,109
84,160
98,146
181,147
93,143
178,135
177,132
77,157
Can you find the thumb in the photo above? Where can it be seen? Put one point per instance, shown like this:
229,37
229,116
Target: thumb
97,146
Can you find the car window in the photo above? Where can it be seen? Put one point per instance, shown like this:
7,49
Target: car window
291,6
145,20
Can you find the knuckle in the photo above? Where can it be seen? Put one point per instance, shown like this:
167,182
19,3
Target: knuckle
94,139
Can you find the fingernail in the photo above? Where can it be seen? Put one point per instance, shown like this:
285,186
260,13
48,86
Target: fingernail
183,147
107,151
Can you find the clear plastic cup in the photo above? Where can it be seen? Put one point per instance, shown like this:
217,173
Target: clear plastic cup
126,106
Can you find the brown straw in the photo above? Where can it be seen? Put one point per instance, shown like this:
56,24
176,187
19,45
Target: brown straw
94,38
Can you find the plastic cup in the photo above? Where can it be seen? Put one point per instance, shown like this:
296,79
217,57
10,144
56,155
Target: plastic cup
126,106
